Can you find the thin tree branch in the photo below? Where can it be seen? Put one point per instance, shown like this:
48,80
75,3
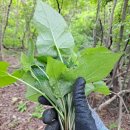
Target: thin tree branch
109,40
101,31
117,65
125,5
58,6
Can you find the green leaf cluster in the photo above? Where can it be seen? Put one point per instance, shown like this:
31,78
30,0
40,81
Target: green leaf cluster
55,67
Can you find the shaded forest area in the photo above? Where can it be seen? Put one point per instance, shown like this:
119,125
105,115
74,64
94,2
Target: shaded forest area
93,23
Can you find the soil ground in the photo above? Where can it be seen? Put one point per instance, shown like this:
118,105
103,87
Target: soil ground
12,119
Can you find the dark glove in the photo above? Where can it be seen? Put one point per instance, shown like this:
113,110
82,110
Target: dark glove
84,120
83,115
50,116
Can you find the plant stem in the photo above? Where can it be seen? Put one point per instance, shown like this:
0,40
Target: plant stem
71,113
58,51
56,45
65,113
61,122
60,55
38,92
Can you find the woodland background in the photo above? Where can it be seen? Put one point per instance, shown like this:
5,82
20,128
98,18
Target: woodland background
92,23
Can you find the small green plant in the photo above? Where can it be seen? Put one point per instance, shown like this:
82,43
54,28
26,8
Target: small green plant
22,106
113,125
38,111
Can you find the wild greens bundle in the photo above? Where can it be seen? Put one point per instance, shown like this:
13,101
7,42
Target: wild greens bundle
50,66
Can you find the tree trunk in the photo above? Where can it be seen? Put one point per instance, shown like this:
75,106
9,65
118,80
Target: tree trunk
109,40
95,28
59,6
6,21
2,10
26,33
125,5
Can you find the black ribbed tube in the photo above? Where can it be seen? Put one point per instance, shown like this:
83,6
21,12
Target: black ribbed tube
83,116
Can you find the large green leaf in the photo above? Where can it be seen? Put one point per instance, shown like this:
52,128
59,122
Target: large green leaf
5,78
54,36
94,64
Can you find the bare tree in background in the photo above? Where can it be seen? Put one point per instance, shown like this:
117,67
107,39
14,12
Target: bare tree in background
124,10
4,23
7,17
123,17
26,33
96,23
109,39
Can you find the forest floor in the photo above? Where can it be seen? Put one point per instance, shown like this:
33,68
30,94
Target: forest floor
12,119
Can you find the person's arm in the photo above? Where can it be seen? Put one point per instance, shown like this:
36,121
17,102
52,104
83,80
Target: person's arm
99,124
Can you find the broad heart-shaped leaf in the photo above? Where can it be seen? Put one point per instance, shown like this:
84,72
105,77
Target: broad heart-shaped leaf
54,36
5,79
54,70
94,64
